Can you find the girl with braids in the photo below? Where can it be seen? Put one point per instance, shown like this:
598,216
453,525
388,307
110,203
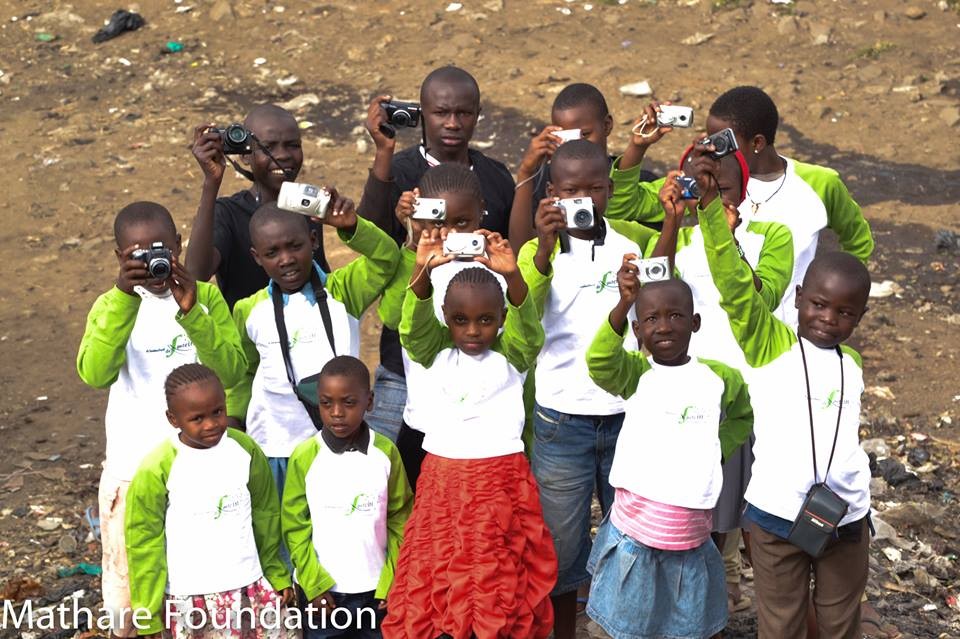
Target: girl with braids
203,524
477,559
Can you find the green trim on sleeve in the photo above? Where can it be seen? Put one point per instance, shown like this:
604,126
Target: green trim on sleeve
399,507
358,284
736,422
238,395
422,335
775,264
522,336
643,236
391,304
214,335
852,354
537,283
612,367
103,349
844,216
632,199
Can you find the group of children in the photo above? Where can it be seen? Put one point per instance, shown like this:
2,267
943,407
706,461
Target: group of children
509,391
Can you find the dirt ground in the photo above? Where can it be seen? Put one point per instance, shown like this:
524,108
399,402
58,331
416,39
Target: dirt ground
869,87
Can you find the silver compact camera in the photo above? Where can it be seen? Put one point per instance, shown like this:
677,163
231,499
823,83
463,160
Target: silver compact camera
579,212
464,245
566,135
675,116
430,208
654,269
159,260
305,199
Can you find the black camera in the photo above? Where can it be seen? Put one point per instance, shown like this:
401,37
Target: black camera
723,141
405,114
237,140
690,190
159,260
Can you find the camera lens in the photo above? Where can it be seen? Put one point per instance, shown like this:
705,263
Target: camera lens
720,144
655,272
435,212
159,268
236,134
401,118
304,202
582,219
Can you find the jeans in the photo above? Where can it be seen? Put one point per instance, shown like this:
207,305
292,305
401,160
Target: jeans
389,398
278,466
355,617
572,455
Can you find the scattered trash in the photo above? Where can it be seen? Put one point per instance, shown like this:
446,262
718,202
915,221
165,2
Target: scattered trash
49,523
93,521
300,102
119,22
454,6
946,240
67,544
886,288
124,62
259,62
698,38
876,446
20,588
80,569
637,89
918,456
45,37
892,554
883,392
288,81
172,47
894,472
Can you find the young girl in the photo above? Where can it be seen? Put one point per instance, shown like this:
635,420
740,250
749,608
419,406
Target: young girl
477,558
203,524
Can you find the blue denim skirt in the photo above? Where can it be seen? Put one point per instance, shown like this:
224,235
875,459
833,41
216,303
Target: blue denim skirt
640,592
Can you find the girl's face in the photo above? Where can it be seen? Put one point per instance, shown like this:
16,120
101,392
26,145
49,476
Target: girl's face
474,315
463,214
199,410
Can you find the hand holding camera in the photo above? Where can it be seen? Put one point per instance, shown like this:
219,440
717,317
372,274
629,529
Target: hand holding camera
133,270
208,150
579,212
430,251
464,246
703,165
377,117
398,114
539,151
183,287
675,192
657,120
549,221
499,256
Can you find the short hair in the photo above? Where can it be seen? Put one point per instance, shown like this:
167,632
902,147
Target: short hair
269,213
451,177
449,75
749,110
581,149
142,213
674,283
186,375
581,94
846,264
475,276
267,110
347,366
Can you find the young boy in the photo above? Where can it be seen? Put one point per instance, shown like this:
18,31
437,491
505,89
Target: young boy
220,237
319,312
349,480
137,333
683,416
807,386
450,103
572,278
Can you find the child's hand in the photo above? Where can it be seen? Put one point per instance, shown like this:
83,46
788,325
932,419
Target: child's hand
208,149
132,272
499,258
733,216
549,221
382,605
183,287
376,116
287,597
325,602
628,280
651,133
704,169
341,212
430,249
541,149
671,197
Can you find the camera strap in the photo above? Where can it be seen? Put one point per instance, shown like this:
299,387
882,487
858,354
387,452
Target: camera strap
836,433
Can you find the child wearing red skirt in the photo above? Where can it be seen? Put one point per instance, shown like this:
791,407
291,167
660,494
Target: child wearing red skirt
477,559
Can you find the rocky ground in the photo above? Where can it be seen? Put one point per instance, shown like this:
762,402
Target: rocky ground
869,87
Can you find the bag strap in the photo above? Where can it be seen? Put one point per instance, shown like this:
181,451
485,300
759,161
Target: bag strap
320,293
836,432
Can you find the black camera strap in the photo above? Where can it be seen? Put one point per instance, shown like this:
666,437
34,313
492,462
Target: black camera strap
836,433
247,173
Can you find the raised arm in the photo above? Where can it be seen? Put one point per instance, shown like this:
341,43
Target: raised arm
844,216
380,192
532,167
203,257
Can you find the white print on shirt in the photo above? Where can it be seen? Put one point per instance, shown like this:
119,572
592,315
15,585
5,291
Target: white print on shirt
607,282
179,344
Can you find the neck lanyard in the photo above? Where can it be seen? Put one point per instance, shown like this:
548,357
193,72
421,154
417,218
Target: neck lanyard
836,433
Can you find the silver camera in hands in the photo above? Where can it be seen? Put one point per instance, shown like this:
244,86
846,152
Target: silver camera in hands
675,116
654,269
305,199
566,135
464,245
579,211
430,209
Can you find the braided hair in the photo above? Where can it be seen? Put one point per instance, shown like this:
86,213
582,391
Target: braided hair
451,178
475,276
185,376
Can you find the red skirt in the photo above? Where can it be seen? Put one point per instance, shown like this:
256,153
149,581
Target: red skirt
476,559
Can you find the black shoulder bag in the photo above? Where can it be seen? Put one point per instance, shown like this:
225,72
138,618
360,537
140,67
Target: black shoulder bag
823,509
306,388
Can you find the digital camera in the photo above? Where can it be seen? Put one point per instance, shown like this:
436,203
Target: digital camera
723,141
675,116
237,140
655,269
579,212
305,199
404,114
690,190
430,209
566,135
464,244
159,260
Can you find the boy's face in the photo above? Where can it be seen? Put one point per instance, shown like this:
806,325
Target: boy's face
730,181
450,113
343,401
665,321
581,178
145,234
280,135
829,307
199,410
285,252
592,126
474,315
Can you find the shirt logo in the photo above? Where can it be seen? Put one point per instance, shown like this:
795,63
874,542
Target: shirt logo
607,281
179,344
226,504
690,414
832,400
362,503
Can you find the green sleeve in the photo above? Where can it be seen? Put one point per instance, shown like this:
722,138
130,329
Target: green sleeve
643,236
358,284
844,216
103,349
522,336
399,506
775,264
391,304
298,526
537,283
238,395
854,355
145,532
265,512
422,335
214,335
611,367
633,199
736,422
760,335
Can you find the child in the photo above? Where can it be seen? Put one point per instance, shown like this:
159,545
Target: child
656,573
807,386
220,239
319,314
350,481
477,559
137,333
202,523
572,277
